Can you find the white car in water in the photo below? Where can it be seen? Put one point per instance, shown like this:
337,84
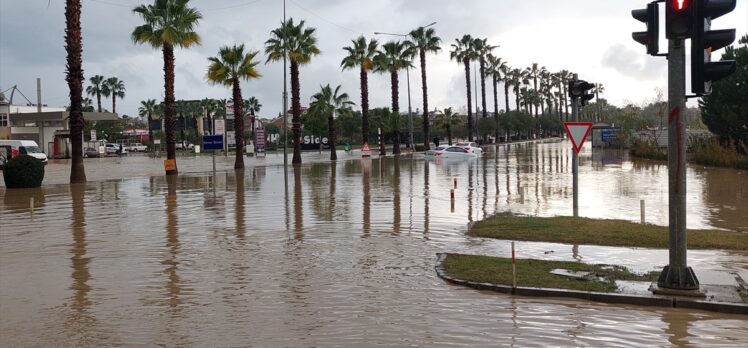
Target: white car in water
471,147
448,152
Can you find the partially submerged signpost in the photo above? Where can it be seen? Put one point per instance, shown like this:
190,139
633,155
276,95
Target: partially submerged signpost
577,131
213,143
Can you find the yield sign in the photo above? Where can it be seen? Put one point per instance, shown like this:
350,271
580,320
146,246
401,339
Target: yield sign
578,132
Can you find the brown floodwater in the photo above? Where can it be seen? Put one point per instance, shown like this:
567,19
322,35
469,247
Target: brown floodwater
341,254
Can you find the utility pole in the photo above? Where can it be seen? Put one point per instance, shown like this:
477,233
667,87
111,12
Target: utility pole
40,123
410,113
285,103
677,274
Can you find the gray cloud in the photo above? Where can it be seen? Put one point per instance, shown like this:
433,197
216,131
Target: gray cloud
632,63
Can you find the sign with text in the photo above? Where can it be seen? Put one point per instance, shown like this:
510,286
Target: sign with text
229,110
220,127
578,132
608,134
231,138
213,142
260,140
93,135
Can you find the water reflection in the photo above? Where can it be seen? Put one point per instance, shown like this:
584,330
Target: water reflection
396,196
239,206
298,214
80,320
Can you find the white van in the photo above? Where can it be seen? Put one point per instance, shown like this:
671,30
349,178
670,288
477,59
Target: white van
13,148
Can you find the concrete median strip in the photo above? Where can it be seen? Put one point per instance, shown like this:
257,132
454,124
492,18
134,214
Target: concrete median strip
713,304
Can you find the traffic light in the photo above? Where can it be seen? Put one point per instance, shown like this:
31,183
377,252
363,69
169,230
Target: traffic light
649,38
679,18
580,89
587,96
704,41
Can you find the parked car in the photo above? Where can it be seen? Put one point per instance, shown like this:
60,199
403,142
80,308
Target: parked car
448,152
91,152
471,147
112,148
137,147
186,145
13,148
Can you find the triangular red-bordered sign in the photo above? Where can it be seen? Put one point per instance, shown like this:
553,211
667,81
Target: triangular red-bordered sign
577,132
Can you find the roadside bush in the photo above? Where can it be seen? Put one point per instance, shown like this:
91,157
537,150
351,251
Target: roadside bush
23,172
648,151
711,152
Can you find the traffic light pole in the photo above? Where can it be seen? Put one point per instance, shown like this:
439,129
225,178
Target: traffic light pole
575,155
677,275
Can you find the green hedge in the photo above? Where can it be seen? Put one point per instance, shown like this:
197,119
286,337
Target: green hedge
23,172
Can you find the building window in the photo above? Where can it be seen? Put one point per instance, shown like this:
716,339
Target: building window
3,120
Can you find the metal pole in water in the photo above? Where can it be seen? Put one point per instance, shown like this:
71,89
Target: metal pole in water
514,269
31,205
575,156
641,207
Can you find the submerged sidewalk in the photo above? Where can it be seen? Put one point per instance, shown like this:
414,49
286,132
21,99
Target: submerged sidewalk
719,298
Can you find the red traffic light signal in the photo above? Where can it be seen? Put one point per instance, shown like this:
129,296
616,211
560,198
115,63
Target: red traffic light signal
678,19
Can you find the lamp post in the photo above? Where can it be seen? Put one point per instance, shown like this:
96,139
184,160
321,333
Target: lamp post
407,74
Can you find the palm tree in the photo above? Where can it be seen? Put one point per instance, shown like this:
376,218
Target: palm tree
448,119
168,23
424,41
231,65
147,109
463,51
518,78
394,56
253,106
208,106
361,54
565,77
328,103
87,105
74,78
116,88
495,66
534,72
96,87
505,71
599,88
482,50
299,44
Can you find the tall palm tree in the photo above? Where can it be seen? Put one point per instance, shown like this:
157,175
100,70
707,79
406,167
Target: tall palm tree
230,66
299,44
394,56
116,88
328,103
168,24
95,89
147,109
463,51
518,78
534,72
482,49
424,41
74,78
505,71
495,65
361,54
565,77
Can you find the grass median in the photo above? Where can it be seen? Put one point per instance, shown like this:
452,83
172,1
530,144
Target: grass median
536,273
571,230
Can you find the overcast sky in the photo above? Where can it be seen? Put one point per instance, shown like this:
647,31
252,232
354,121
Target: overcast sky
589,37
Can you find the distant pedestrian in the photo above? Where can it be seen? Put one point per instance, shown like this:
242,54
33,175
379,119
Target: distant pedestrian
119,150
436,141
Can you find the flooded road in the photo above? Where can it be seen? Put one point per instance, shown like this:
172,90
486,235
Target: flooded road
341,255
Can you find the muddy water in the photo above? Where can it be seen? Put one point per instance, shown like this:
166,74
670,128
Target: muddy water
341,255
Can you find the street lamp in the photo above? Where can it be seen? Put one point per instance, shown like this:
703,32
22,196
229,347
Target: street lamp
407,74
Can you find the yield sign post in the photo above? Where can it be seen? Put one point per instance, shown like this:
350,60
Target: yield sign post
578,132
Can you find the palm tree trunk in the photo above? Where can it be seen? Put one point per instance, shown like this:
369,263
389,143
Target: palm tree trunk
114,104
170,121
332,136
210,122
395,111
483,93
496,109
506,94
535,87
425,103
296,111
150,131
238,125
74,78
364,105
449,133
98,99
466,61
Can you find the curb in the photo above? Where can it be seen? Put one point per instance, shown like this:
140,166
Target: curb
655,301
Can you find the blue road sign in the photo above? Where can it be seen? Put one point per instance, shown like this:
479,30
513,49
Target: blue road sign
608,134
212,142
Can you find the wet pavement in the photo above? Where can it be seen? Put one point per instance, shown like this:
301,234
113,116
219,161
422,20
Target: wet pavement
343,254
